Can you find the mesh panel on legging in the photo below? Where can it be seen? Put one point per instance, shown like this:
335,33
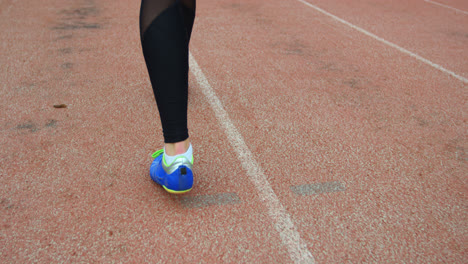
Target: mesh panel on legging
165,30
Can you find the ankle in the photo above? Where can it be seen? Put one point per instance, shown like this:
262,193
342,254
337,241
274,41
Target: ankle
177,148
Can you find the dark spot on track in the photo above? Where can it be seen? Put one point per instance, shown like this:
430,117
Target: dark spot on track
92,26
263,21
27,87
81,16
295,48
80,12
461,154
456,150
458,34
52,123
112,174
318,188
27,126
65,50
421,122
67,65
329,67
65,37
72,25
84,50
6,204
353,83
60,106
291,47
294,51
111,233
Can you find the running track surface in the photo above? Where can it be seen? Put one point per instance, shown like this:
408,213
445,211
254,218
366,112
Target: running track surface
314,141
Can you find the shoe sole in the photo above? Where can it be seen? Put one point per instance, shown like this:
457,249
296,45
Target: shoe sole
174,191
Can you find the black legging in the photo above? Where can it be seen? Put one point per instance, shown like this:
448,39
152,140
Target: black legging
165,30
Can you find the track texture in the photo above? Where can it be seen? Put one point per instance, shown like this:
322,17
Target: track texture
364,147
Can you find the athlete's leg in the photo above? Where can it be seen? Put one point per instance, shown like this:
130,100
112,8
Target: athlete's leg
165,29
187,8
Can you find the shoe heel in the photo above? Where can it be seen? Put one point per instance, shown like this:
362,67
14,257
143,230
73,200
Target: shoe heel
181,181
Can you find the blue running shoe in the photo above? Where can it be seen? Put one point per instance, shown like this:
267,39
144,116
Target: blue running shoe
176,177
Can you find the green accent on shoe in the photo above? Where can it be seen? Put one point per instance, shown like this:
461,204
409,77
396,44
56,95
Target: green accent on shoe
157,153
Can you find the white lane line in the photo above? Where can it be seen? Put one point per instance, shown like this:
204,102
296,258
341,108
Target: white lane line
288,232
414,55
446,6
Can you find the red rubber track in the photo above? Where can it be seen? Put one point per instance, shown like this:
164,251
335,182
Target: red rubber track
314,100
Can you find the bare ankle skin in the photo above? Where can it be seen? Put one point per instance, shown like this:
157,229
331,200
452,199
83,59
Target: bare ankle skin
177,148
